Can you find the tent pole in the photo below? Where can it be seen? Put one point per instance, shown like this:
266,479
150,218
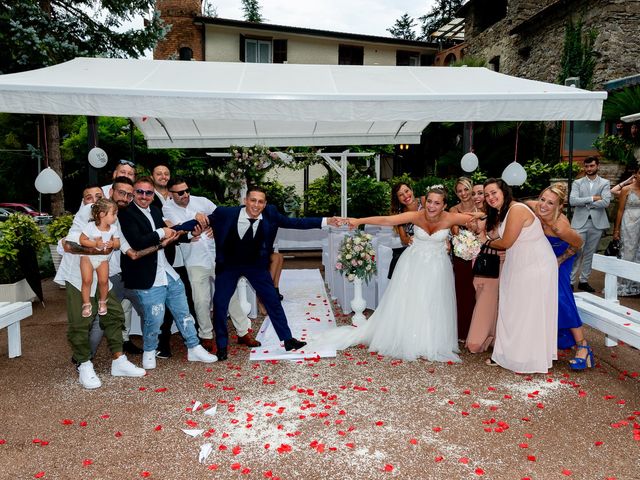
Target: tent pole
92,141
343,184
569,178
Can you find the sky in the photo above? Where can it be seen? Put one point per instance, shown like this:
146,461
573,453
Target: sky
368,17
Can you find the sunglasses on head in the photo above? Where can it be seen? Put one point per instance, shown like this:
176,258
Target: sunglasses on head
146,193
127,162
180,192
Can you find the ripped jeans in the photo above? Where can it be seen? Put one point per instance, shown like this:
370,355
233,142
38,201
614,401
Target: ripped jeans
151,303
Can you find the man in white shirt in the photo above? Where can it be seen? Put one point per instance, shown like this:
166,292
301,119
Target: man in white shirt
199,259
124,168
79,326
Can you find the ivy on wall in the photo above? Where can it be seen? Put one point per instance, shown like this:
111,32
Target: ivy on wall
578,56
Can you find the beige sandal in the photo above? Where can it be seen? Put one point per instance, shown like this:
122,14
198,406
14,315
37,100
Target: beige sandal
87,310
102,307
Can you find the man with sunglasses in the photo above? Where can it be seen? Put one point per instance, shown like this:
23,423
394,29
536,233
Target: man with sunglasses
124,168
153,282
199,259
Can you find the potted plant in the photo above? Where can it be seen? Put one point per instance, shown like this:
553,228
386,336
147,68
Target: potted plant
20,242
58,229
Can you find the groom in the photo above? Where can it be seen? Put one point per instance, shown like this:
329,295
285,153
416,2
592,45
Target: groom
244,241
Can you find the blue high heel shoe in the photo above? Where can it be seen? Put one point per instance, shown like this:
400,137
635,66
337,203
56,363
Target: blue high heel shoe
583,363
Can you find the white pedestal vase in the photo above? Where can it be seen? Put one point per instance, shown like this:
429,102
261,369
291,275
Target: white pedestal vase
358,304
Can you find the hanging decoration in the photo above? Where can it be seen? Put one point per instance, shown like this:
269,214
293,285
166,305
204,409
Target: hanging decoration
469,161
47,181
97,157
515,174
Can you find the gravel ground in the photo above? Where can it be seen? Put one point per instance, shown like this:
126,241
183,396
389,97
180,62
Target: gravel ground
359,415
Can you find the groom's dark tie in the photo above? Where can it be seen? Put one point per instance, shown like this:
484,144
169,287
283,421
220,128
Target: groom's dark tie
248,236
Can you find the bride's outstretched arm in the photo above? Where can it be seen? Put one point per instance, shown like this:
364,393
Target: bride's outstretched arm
390,220
465,219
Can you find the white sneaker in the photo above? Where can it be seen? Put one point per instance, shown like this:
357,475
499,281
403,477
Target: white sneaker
149,360
88,378
121,367
199,354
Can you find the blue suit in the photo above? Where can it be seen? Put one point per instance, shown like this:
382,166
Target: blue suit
224,221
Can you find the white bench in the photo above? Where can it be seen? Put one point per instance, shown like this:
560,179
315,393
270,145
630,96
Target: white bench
606,314
10,316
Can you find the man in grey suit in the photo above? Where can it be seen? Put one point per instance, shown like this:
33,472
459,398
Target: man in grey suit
590,195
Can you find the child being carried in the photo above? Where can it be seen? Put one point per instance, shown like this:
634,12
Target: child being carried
101,233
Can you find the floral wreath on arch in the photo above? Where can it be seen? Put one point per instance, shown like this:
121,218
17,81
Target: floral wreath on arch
250,164
356,257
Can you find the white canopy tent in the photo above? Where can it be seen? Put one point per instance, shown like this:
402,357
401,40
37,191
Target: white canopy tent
180,104
209,104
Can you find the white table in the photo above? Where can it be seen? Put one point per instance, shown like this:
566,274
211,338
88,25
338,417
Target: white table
10,316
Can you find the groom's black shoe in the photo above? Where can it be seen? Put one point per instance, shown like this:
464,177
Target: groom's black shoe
291,344
222,354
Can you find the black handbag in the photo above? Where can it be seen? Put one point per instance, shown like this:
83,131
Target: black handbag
613,249
487,262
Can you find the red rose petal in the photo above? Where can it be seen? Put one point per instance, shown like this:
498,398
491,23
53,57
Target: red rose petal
524,445
379,423
439,458
213,467
236,450
87,462
464,460
236,466
39,475
145,474
67,421
388,468
566,472
413,441
531,458
479,471
598,443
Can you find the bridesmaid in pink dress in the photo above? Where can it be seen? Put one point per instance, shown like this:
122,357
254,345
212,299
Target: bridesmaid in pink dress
526,332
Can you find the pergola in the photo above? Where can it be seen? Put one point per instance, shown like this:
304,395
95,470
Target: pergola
180,104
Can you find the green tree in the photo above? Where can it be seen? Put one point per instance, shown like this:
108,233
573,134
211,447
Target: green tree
403,28
39,33
440,14
251,9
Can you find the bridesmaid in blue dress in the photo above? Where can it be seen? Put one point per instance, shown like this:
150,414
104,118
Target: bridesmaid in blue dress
565,242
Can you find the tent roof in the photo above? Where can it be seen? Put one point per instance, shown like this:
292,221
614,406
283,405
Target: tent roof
213,104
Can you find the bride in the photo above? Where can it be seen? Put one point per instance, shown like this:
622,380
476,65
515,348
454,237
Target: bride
416,316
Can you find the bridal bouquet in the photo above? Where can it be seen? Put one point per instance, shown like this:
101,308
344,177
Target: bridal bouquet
466,245
357,258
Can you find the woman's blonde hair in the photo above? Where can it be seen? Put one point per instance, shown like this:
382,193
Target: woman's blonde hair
466,181
559,189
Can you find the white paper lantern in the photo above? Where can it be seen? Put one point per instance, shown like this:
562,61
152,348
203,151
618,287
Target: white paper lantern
97,157
469,162
514,174
48,181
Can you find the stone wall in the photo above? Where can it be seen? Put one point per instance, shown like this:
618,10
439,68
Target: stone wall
535,50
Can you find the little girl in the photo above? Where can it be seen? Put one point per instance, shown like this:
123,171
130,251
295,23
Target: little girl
101,233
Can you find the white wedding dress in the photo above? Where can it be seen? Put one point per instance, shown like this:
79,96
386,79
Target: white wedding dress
416,316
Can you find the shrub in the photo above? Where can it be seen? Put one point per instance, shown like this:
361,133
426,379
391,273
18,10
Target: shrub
59,228
20,237
284,198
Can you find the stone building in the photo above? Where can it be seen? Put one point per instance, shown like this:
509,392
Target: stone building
525,38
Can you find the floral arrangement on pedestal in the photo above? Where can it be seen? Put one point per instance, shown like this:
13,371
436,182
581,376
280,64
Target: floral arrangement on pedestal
466,245
357,258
